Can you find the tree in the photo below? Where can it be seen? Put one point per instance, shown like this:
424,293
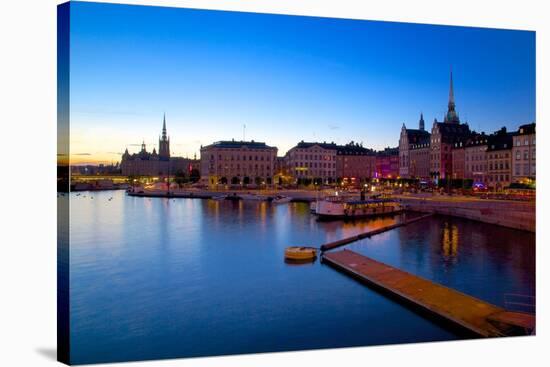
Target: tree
246,180
180,178
235,181
195,175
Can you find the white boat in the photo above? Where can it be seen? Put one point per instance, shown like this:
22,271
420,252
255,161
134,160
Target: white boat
219,197
338,209
253,197
281,199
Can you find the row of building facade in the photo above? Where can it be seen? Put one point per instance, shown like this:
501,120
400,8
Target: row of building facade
452,151
449,151
249,162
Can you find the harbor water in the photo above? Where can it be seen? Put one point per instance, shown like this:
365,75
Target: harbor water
165,278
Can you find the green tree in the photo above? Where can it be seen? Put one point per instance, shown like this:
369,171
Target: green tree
180,178
194,175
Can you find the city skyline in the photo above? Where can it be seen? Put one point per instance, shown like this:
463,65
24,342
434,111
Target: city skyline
316,87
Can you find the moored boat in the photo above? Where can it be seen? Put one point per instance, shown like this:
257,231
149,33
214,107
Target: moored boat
300,253
328,209
281,199
253,197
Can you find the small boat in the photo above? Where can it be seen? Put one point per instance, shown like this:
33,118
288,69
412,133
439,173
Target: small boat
219,197
300,253
336,209
253,197
313,207
281,199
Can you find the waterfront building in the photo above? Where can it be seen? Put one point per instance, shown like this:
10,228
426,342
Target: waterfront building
475,159
523,153
387,163
444,136
410,139
419,159
237,163
354,163
459,158
155,163
499,159
313,161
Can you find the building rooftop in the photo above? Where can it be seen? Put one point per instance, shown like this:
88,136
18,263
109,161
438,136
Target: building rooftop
501,140
353,149
527,129
240,144
324,145
417,136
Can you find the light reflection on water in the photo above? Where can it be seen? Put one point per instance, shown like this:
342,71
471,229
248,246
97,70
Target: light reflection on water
160,278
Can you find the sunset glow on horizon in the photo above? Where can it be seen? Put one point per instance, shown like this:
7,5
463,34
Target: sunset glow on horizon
280,79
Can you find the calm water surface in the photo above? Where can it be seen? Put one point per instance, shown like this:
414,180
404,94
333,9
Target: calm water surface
157,278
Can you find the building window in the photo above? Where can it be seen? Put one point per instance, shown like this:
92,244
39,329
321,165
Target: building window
518,155
526,154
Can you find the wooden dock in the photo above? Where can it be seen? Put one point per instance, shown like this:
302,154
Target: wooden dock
477,316
360,236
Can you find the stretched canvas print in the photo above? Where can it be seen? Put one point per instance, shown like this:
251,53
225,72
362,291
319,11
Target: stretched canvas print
234,182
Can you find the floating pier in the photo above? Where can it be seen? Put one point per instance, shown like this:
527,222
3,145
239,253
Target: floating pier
360,236
477,316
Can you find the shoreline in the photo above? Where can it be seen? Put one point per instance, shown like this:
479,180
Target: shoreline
520,215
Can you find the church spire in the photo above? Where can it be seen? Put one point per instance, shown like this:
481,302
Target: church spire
451,116
164,127
451,92
421,122
164,142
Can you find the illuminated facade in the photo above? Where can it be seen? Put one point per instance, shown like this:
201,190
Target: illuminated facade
387,163
499,159
238,163
355,163
475,159
523,153
411,162
316,161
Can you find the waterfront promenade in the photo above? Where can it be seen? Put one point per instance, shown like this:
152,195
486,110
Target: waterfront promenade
508,213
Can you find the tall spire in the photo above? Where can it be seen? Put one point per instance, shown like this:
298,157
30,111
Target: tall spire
164,142
164,127
451,92
451,116
421,122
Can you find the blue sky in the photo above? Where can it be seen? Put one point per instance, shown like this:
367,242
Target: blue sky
287,78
